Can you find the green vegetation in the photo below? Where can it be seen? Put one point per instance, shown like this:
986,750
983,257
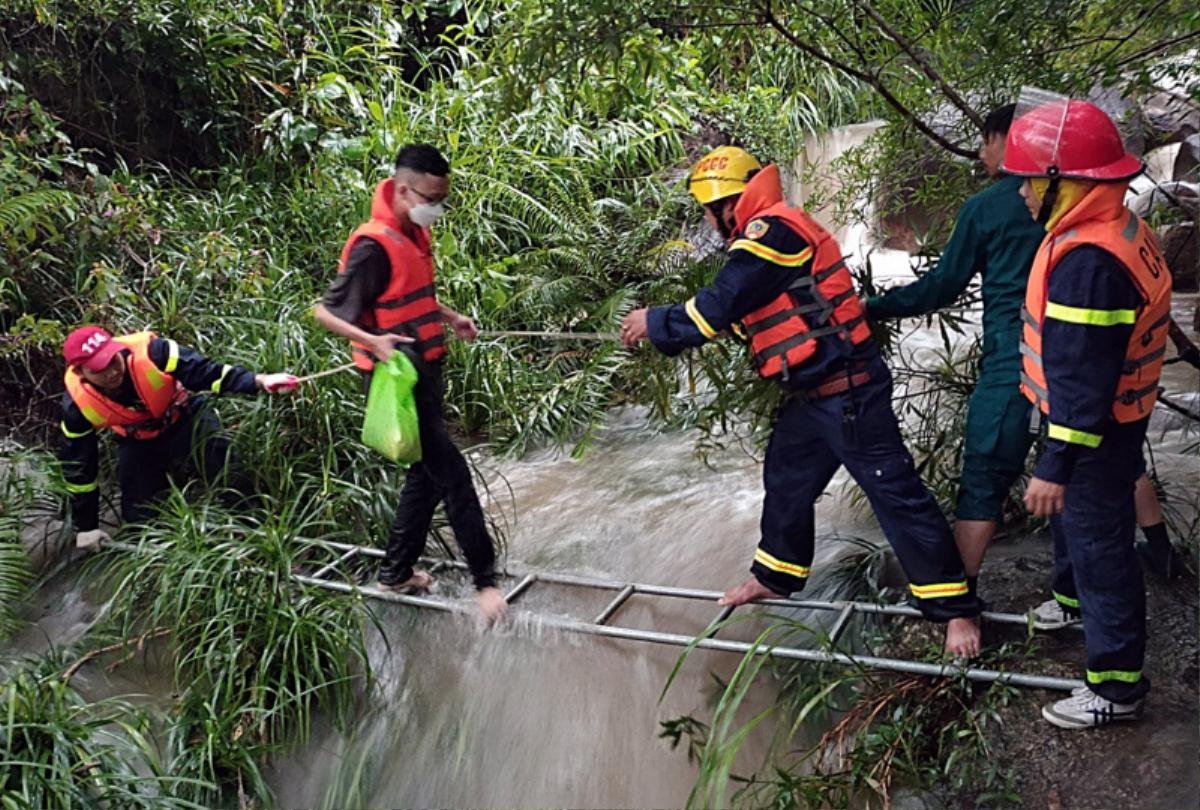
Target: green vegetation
194,167
59,751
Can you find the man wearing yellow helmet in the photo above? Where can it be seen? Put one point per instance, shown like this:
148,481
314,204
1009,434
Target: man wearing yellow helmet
786,291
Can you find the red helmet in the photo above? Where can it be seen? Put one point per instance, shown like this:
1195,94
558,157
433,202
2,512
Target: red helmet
1068,139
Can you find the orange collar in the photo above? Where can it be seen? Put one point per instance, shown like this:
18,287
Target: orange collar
381,205
1104,202
764,190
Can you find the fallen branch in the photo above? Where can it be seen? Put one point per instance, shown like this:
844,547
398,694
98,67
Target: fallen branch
140,642
1178,408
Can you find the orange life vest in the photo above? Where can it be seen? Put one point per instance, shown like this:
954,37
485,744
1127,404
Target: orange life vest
1101,219
409,301
783,333
161,394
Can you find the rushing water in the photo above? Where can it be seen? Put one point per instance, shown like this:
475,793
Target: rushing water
529,716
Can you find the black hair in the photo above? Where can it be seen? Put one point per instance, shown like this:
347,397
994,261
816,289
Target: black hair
423,158
998,121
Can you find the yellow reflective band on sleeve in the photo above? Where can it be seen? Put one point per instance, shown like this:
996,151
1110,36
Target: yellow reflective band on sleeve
79,489
72,435
172,357
216,386
693,312
1065,600
1125,676
1090,317
782,567
1072,436
938,590
773,256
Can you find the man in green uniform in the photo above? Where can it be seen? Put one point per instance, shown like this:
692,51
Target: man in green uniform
995,239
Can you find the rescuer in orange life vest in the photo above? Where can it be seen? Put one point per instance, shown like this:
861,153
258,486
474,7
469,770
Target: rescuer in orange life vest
785,289
383,298
1095,328
137,386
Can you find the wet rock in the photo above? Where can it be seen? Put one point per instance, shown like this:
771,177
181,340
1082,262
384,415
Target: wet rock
1169,118
1187,159
1181,248
1168,196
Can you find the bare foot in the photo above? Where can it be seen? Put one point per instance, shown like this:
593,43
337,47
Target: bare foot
963,637
748,591
491,605
419,582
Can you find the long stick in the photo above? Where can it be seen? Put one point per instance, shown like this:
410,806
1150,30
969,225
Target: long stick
551,335
325,373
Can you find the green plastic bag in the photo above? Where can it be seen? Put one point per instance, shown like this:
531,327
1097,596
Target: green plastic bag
390,426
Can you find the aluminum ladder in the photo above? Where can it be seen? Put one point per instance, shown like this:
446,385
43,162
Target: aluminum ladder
345,553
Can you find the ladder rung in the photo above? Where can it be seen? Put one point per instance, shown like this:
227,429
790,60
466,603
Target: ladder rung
725,613
840,624
614,605
326,569
520,587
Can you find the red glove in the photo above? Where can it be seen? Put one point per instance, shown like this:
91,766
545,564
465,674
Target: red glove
280,383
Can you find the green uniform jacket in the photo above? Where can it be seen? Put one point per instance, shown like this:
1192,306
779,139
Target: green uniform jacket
996,238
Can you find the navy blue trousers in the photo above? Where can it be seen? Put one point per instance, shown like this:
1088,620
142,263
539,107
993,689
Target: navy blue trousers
856,429
144,466
1096,569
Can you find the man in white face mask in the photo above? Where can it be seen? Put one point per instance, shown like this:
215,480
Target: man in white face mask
383,298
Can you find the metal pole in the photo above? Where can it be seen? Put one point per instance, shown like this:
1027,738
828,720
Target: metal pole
677,640
840,624
521,587
496,333
326,569
614,605
555,578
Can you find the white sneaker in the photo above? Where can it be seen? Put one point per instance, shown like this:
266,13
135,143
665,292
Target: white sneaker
1085,709
1051,615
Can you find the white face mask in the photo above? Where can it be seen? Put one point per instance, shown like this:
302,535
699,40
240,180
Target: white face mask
425,215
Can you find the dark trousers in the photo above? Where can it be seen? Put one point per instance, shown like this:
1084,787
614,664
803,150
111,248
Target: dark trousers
857,429
1096,569
442,475
193,443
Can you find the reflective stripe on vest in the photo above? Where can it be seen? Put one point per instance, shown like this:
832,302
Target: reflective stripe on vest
408,305
1134,246
161,394
783,333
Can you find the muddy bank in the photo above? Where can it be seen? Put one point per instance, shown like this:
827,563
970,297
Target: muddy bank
1150,765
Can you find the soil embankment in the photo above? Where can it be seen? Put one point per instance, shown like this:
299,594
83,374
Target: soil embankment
1151,765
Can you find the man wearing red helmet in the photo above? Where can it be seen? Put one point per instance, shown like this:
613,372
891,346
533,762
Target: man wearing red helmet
1094,334
137,386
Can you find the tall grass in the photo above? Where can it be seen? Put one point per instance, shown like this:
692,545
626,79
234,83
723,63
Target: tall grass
254,656
59,751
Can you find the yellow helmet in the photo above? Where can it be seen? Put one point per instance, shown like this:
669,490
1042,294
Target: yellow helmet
722,173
